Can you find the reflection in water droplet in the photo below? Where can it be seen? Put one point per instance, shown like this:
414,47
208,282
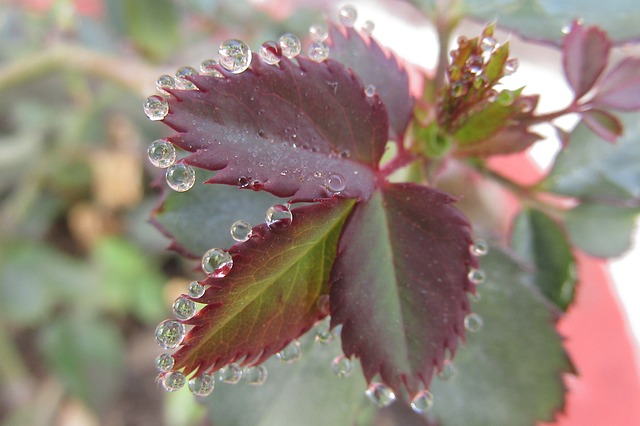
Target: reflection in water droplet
184,308
290,45
370,90
477,276
487,44
162,153
323,331
291,353
241,231
270,52
448,370
335,183
342,366
216,263
473,322
479,248
380,394
173,381
182,82
169,334
318,51
180,177
202,385
231,374
278,216
243,181
368,27
348,15
511,66
235,56
318,32
422,402
155,108
165,82
208,67
255,375
474,64
195,290
164,362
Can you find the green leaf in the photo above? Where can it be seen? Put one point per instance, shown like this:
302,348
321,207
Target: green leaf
278,279
544,19
305,393
540,241
201,217
594,170
602,230
509,372
88,356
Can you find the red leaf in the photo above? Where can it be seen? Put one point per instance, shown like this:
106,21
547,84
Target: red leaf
585,54
508,140
270,296
620,87
399,283
379,68
603,124
287,127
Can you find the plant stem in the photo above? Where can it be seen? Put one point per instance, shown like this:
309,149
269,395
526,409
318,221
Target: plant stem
402,159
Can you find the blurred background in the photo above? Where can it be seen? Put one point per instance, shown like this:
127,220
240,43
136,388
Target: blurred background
84,278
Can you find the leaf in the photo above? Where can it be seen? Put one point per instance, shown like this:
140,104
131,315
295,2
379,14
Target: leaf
288,127
509,140
270,296
398,284
305,393
200,218
544,19
541,242
602,230
620,88
510,371
379,68
593,170
585,52
603,124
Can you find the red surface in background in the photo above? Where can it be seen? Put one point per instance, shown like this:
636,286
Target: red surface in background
607,390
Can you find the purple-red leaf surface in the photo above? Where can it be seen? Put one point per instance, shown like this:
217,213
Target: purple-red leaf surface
603,124
287,128
379,68
399,283
620,88
585,52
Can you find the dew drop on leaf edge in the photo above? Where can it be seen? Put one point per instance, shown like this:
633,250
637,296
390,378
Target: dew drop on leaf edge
318,51
290,353
155,108
230,374
255,375
479,248
290,45
422,402
270,52
180,177
165,82
184,308
202,385
335,183
162,153
318,32
234,56
368,27
323,332
448,370
278,216
348,15
241,231
216,263
181,81
473,322
195,290
477,276
380,394
164,362
370,90
169,334
173,381
342,366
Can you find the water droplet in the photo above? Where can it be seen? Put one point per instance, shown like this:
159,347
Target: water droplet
323,331
335,183
155,108
458,89
474,64
318,51
317,174
380,394
448,370
278,216
318,32
202,385
479,248
181,177
290,353
342,366
231,374
566,28
184,308
511,66
370,90
208,67
162,153
422,402
290,45
235,56
173,381
473,322
182,82
487,44
368,27
170,333
195,290
348,15
241,231
477,276
243,181
255,375
164,362
165,82
217,263
270,52
505,97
